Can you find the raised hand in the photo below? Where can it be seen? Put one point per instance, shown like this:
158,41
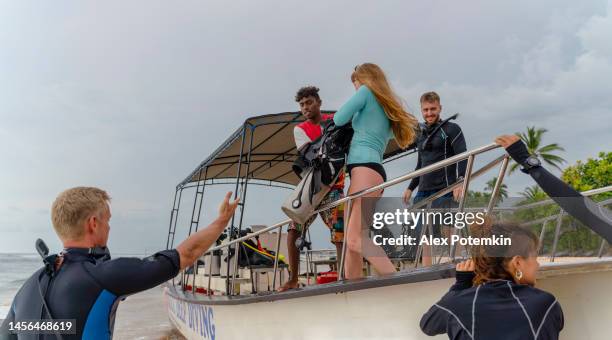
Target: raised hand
226,209
506,140
465,266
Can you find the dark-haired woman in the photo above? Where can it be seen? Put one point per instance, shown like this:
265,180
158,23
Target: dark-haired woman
494,295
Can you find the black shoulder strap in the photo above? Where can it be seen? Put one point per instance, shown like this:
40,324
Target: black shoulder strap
47,276
427,142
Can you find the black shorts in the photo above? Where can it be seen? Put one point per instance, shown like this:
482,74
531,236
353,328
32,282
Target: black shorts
374,166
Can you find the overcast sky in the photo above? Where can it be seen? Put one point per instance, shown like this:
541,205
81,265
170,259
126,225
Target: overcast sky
131,96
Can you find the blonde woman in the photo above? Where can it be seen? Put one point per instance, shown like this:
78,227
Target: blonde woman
377,115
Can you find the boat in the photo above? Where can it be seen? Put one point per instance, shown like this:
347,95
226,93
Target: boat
217,298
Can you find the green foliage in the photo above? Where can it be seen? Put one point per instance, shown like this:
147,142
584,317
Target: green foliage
477,199
503,190
575,239
533,194
481,198
592,174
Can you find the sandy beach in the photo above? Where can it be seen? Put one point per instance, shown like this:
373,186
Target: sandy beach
143,316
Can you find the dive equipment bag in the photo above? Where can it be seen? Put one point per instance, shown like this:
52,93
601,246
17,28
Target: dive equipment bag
319,164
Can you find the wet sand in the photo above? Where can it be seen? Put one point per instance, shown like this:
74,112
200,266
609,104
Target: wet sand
143,316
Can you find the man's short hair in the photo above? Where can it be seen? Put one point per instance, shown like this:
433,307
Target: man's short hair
73,207
430,97
307,91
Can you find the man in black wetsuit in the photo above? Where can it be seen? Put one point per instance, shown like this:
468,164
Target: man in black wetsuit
438,141
83,283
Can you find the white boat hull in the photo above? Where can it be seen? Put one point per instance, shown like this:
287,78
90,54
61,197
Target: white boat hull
391,312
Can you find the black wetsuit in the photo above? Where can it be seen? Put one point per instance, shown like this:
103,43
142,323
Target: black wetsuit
446,142
503,309
88,288
494,310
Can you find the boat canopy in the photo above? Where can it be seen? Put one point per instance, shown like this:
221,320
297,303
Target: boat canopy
264,148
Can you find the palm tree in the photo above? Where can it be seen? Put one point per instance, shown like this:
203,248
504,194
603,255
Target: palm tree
533,193
503,189
533,139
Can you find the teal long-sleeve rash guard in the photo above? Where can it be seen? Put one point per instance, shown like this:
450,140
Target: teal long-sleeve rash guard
370,123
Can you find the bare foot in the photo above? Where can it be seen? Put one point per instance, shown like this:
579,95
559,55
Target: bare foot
288,285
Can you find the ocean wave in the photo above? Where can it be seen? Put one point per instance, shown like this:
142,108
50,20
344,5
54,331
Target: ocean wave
17,282
4,309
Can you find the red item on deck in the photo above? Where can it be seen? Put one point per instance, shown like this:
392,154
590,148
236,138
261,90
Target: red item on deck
200,290
327,277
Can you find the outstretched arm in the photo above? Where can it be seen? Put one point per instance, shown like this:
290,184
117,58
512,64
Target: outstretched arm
580,207
125,276
195,245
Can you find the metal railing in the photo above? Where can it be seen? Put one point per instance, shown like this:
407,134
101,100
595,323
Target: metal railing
559,221
348,199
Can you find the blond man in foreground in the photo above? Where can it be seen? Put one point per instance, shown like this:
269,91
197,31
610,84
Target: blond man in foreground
82,283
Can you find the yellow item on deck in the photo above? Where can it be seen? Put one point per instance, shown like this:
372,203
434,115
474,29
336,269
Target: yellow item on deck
281,257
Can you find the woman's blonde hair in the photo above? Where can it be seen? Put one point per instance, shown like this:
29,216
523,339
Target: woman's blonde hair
403,124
